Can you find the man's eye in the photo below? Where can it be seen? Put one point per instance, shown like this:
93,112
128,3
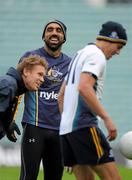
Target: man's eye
59,30
50,29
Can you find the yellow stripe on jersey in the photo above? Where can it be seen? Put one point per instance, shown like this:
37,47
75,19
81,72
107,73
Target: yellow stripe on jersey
97,142
36,118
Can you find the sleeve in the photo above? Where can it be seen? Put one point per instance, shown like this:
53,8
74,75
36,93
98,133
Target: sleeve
4,96
7,116
7,104
2,132
94,64
4,105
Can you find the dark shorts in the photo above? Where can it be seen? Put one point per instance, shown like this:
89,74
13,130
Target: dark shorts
87,146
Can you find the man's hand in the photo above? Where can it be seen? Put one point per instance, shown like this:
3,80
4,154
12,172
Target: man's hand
10,133
112,131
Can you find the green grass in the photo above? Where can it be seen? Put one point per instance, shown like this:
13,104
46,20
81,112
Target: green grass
12,173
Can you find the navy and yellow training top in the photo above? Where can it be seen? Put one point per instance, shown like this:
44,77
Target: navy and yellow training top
41,107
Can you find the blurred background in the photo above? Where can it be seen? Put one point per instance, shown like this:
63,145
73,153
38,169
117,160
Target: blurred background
21,27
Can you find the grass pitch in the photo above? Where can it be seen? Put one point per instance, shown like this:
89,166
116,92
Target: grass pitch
12,173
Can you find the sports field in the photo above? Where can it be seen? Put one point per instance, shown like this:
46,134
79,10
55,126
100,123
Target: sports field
12,173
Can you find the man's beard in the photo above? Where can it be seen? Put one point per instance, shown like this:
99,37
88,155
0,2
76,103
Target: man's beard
53,47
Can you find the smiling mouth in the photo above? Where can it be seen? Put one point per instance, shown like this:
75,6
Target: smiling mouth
54,38
55,41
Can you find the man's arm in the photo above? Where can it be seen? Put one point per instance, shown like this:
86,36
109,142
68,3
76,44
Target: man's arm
7,119
61,96
86,90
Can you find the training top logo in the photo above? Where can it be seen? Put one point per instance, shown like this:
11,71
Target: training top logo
54,75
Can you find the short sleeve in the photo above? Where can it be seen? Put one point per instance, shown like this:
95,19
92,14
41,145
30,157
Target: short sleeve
94,64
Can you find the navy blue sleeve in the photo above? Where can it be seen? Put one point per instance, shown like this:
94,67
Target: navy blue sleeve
4,95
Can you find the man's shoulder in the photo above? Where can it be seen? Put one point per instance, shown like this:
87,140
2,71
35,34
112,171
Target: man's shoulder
66,57
37,51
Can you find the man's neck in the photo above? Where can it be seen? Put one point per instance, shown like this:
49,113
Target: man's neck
54,54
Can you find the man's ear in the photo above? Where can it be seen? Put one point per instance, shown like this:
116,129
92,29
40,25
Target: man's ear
25,72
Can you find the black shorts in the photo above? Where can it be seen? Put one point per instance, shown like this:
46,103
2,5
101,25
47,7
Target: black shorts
87,146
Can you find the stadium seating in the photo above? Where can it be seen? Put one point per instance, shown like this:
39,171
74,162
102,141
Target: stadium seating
22,24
